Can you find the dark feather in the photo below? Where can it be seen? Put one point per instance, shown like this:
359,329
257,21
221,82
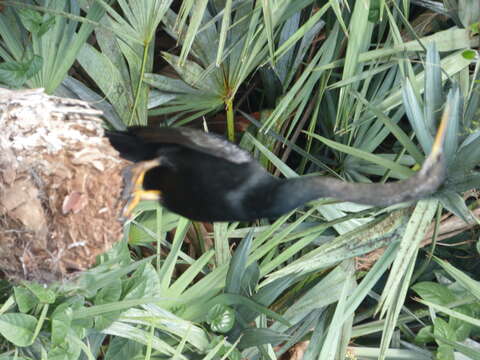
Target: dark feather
204,177
194,139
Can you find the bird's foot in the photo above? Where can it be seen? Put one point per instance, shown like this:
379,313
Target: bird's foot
133,186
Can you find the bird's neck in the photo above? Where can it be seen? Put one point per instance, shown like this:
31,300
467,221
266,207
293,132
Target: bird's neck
295,192
292,193
298,191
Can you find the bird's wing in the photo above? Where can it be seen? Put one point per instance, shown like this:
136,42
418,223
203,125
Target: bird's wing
194,139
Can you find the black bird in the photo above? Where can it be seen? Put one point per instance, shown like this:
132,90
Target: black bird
204,177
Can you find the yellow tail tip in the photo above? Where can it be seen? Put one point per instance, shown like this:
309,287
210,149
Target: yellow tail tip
437,146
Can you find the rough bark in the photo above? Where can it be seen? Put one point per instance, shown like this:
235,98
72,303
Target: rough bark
60,185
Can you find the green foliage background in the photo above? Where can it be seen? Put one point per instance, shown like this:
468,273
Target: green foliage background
346,88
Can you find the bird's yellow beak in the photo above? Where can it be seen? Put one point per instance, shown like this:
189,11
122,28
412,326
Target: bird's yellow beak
135,191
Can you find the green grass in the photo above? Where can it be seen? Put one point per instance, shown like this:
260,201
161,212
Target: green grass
372,79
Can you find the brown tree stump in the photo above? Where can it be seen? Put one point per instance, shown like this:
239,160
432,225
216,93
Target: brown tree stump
60,185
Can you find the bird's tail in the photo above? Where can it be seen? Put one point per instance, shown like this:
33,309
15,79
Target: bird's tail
130,146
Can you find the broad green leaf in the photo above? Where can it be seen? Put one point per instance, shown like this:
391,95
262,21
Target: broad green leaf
15,74
43,294
447,344
443,329
35,22
18,328
445,352
424,335
120,347
61,323
144,282
462,318
67,351
24,299
434,292
109,293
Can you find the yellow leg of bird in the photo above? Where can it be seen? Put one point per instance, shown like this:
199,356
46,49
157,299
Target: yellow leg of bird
137,193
